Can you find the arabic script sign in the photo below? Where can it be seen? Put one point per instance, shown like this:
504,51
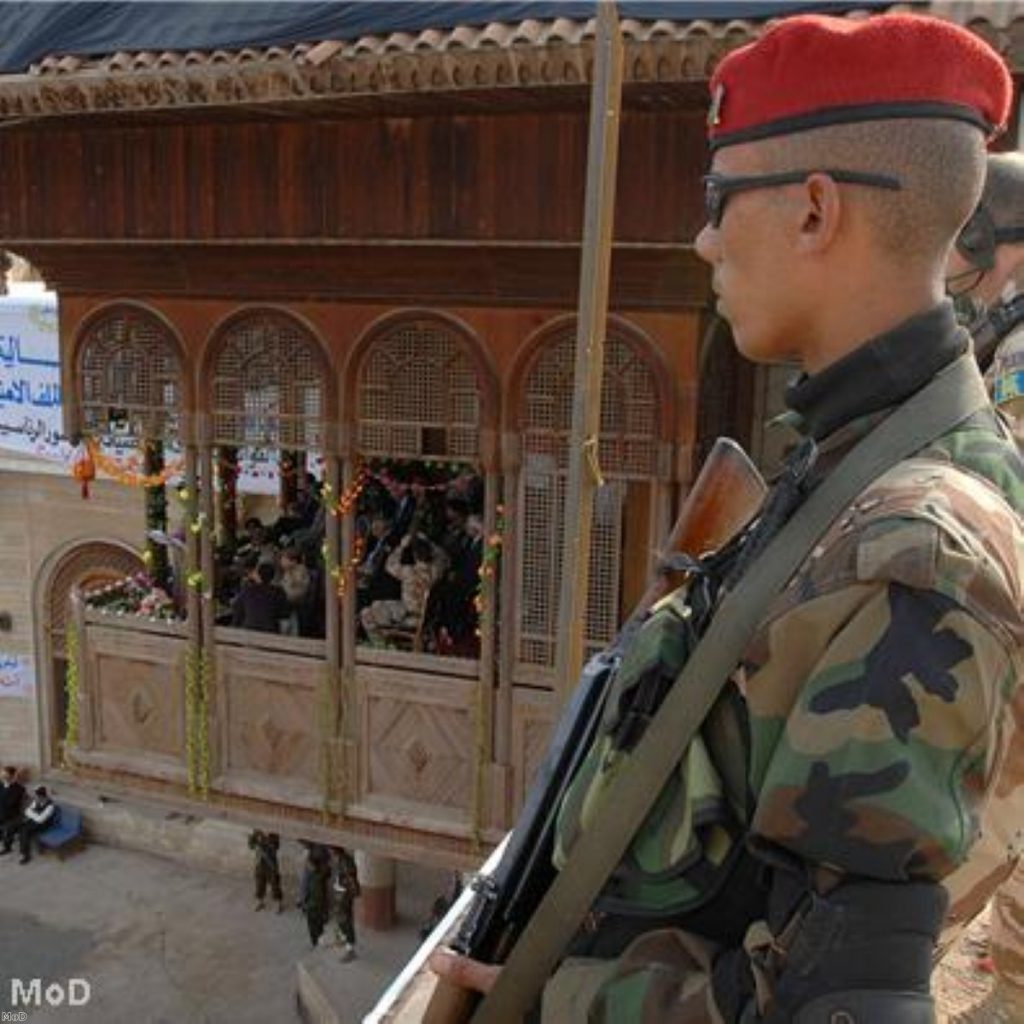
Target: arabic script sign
30,396
30,375
17,675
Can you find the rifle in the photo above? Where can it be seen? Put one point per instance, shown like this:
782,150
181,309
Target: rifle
993,327
491,913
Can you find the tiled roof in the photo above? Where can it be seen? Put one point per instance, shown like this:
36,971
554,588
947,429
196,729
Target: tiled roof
494,56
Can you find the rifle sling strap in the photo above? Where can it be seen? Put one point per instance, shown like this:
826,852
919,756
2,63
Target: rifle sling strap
951,397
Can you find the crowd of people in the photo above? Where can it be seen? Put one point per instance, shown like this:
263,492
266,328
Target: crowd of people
273,580
420,546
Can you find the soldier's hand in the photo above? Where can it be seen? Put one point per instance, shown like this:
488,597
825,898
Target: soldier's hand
462,971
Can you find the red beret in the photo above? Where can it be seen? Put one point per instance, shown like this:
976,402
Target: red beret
814,70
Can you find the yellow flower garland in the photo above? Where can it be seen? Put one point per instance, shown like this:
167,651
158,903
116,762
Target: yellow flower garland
71,689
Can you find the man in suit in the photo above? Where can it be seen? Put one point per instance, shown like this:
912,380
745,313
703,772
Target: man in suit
261,603
38,816
12,797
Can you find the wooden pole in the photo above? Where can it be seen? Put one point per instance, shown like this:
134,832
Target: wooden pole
595,265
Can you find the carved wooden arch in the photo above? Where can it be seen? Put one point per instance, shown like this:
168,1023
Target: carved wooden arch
147,349
86,564
624,340
297,380
454,389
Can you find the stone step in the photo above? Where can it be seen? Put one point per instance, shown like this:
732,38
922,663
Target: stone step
206,842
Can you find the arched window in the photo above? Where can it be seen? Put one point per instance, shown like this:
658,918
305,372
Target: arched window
268,384
628,449
419,395
130,376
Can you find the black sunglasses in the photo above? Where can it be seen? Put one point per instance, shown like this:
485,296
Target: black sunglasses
718,187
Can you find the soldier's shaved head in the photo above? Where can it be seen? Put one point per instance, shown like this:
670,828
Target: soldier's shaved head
940,164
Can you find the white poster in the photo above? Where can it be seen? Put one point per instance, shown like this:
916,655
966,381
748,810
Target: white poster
17,675
30,418
30,398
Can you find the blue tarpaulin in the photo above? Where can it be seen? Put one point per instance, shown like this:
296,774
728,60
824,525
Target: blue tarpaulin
30,31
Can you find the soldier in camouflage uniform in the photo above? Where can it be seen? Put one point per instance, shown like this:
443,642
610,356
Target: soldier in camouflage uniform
987,267
792,868
346,890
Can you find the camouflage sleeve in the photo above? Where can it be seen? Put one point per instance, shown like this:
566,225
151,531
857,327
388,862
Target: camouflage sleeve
882,762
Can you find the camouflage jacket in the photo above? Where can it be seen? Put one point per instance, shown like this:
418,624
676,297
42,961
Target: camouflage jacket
882,712
1001,839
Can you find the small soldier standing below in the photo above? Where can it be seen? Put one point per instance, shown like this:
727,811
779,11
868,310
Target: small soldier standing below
315,897
346,891
265,869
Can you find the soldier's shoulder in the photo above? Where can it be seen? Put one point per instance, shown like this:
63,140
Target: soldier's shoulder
984,447
933,524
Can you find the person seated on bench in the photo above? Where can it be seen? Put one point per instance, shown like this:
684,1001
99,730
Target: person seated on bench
38,816
12,797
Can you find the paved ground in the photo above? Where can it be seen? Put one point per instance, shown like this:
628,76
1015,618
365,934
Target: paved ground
162,943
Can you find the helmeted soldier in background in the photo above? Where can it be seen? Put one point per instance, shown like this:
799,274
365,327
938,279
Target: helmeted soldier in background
986,276
791,869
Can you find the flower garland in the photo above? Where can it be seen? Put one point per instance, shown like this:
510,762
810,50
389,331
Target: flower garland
197,723
348,497
326,754
342,574
490,559
71,689
203,727
482,730
129,472
136,595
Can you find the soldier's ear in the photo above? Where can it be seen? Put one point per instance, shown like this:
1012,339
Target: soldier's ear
820,212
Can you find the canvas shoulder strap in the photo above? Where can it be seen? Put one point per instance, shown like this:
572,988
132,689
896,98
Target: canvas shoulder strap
954,395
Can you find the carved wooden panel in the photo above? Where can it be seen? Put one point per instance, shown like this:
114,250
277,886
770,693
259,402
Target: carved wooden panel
417,736
137,684
269,704
533,718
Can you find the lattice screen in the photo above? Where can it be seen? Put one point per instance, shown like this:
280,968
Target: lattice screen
419,396
131,377
628,450
268,385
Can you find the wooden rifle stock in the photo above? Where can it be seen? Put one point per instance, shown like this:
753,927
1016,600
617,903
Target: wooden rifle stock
724,498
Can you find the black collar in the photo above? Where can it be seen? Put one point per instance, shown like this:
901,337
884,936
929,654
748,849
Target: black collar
878,374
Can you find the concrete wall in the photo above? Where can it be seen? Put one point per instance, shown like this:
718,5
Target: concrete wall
42,517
